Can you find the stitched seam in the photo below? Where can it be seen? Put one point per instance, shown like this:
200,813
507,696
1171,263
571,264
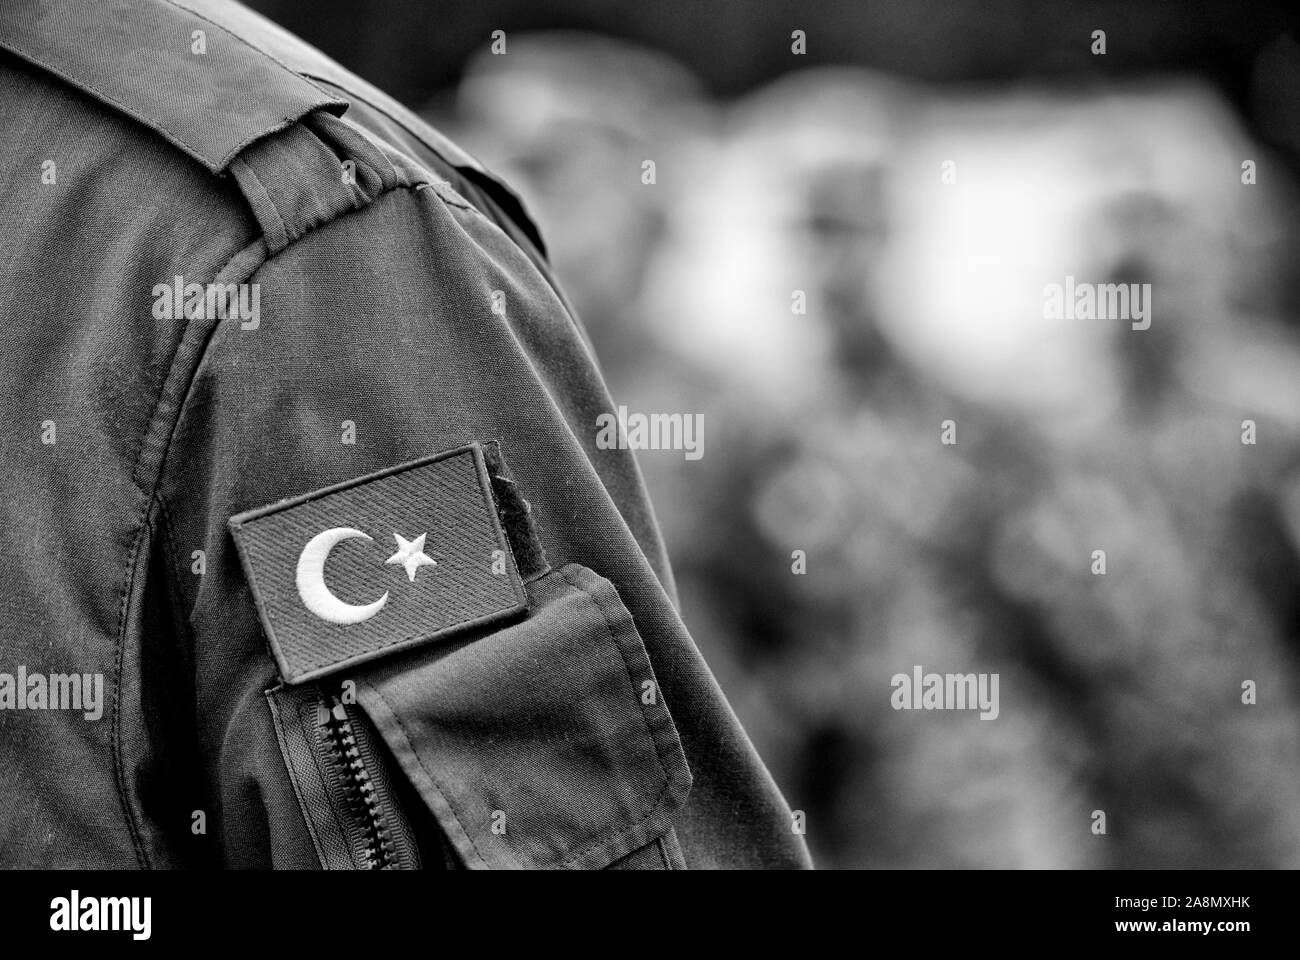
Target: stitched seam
183,396
600,838
473,165
544,274
156,484
124,602
359,200
385,112
105,98
171,137
173,563
266,199
119,766
260,52
184,392
271,257
281,736
452,200
173,557
150,495
251,46
133,559
372,155
455,200
262,134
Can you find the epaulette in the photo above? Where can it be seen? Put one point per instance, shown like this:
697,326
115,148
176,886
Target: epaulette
194,75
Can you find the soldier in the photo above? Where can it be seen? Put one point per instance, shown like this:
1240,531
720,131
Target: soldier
309,555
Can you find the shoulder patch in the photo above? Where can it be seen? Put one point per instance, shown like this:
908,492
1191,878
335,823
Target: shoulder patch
388,561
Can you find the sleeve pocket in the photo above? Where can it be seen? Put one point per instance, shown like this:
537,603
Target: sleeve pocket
542,745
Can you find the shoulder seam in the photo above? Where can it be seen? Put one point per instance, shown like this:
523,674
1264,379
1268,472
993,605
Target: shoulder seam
244,264
385,112
152,455
529,228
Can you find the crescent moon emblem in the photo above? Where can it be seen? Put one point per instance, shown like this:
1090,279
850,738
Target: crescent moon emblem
316,597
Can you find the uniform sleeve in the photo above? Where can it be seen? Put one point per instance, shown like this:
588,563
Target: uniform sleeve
584,732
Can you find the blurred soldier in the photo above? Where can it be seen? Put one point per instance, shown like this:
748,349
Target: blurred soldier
308,552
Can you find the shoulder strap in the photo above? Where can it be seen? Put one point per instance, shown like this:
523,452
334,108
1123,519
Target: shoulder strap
222,105
139,57
311,173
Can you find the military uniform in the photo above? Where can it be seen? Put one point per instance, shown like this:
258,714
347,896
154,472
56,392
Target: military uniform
336,543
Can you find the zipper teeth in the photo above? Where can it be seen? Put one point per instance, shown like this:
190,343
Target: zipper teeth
379,851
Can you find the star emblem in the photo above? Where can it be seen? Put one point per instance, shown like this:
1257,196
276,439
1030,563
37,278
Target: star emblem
410,554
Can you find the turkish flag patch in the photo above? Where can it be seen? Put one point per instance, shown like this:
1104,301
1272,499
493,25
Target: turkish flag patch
382,563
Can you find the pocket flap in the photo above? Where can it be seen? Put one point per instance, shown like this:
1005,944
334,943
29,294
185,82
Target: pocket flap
544,744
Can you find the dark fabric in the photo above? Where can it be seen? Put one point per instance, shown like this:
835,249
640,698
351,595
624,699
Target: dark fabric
294,710
130,439
542,745
272,174
211,104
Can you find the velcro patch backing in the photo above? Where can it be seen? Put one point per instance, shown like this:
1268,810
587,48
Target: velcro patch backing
379,564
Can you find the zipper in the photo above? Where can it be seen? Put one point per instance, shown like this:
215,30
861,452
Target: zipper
352,804
361,792
358,790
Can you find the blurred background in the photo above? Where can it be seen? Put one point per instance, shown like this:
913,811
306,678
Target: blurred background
921,173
